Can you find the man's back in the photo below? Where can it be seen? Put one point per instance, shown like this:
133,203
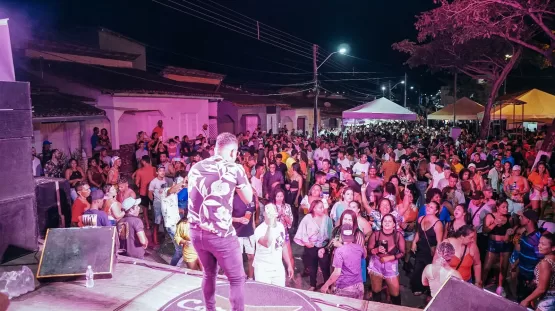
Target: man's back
143,177
128,227
212,184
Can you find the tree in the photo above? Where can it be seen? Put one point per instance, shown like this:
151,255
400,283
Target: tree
522,22
477,58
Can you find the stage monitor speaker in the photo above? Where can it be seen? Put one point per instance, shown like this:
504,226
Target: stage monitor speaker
53,203
68,251
458,295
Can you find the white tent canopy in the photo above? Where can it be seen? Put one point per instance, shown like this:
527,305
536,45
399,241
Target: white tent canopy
380,109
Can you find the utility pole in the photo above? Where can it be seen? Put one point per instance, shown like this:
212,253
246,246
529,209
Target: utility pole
389,82
406,82
455,98
316,88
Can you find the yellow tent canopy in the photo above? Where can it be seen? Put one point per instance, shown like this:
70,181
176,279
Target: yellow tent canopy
465,109
530,106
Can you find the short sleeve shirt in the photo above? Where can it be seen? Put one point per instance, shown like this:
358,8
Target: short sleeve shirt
212,184
128,227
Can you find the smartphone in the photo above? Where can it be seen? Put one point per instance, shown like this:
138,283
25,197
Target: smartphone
403,161
385,245
248,215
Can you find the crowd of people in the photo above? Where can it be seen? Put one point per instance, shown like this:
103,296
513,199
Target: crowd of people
366,204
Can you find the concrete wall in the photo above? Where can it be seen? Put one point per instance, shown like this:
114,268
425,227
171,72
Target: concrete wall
228,120
291,116
129,115
243,112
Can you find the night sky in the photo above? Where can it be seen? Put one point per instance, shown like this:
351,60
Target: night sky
369,27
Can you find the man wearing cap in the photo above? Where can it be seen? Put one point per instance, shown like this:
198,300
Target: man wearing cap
94,216
213,183
131,230
347,273
113,174
529,255
269,252
515,187
155,189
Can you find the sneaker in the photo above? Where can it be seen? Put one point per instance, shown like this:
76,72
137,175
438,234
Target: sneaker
500,291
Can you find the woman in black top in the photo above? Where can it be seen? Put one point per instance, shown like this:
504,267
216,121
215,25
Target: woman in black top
74,174
428,235
500,227
386,246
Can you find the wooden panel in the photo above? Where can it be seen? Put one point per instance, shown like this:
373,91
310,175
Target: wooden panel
68,251
15,95
15,167
18,223
15,124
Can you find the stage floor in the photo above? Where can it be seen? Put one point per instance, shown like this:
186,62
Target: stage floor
144,286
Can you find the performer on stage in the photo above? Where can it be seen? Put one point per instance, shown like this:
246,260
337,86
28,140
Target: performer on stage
212,185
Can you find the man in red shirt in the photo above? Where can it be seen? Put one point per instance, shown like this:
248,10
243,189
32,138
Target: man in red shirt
159,129
143,177
80,205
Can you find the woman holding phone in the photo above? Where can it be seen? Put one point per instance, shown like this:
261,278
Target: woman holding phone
386,247
285,216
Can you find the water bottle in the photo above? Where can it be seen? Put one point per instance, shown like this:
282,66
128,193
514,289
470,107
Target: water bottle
90,277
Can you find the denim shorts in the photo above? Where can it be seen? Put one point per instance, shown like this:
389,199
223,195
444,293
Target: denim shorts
498,247
157,207
547,303
386,270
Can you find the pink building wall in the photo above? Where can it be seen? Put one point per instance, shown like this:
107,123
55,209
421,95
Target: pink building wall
130,114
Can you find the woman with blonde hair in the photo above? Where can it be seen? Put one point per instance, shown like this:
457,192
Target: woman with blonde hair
314,234
314,194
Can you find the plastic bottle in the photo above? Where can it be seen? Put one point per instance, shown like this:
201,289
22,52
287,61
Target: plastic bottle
90,277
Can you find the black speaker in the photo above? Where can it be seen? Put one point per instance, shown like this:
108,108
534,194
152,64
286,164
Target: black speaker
68,251
18,226
18,216
53,203
271,109
458,295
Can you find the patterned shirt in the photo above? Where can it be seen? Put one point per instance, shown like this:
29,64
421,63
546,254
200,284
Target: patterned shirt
52,169
212,184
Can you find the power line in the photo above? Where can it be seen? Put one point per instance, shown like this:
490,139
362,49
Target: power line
275,29
258,29
235,28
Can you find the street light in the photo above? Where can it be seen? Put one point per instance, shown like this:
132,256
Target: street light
383,90
342,50
412,87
